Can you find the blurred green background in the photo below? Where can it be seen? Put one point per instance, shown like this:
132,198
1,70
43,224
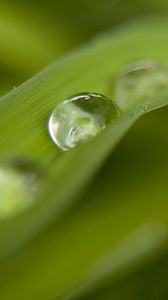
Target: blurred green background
34,33
129,193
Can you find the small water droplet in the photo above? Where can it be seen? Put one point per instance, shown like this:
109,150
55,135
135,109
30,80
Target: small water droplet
19,183
138,81
146,107
80,118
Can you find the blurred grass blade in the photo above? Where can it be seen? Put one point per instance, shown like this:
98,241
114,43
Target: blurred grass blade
130,252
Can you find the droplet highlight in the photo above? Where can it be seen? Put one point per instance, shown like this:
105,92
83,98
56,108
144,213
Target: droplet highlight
80,118
138,81
19,184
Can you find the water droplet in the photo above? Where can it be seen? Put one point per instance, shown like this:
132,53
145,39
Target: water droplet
80,118
147,107
19,183
138,81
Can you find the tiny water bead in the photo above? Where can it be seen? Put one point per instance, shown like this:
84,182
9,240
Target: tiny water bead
138,81
80,118
19,183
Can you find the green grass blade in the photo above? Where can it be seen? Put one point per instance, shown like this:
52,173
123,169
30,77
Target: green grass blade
24,114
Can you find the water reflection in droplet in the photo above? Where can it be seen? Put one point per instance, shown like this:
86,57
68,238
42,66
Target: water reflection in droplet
80,118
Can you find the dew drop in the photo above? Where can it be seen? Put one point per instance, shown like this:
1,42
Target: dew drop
19,183
80,118
138,81
146,107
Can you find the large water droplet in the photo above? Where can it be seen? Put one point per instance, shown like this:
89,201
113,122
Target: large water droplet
138,81
81,117
19,183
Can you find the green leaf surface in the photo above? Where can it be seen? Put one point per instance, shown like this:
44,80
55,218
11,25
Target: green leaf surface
71,252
